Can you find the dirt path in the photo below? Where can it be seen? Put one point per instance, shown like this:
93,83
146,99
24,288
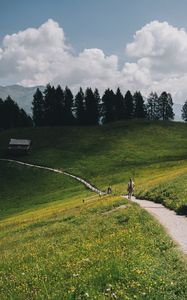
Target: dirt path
175,225
87,184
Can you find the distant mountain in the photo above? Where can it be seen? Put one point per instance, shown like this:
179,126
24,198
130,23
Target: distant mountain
23,96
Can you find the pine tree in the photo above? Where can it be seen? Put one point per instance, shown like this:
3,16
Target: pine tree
49,108
13,115
165,106
184,111
91,108
169,109
108,106
139,111
24,119
152,106
59,106
79,108
128,105
119,105
68,107
1,113
98,103
38,108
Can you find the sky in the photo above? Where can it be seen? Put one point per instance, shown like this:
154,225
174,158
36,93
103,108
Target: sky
136,45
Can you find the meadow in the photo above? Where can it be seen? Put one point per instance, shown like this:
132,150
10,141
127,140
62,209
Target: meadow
54,245
153,153
89,251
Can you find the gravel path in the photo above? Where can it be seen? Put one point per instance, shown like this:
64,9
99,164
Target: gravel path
175,225
86,183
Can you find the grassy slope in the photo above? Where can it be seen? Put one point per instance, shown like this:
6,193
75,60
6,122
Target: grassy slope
23,188
154,154
89,251
64,249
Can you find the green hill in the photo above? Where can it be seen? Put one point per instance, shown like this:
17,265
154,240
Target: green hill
54,246
154,154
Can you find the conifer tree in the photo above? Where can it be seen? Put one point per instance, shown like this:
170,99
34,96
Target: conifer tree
169,110
24,119
165,106
98,103
13,115
68,107
139,110
1,113
128,105
80,108
152,107
38,108
184,111
59,104
49,108
108,103
91,108
119,105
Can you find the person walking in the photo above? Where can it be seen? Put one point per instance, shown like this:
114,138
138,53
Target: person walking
130,188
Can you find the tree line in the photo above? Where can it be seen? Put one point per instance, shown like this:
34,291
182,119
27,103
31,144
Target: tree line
12,116
56,107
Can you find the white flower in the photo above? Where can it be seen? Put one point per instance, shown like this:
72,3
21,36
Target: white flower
76,275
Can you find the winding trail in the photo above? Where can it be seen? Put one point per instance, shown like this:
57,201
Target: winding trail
87,184
175,225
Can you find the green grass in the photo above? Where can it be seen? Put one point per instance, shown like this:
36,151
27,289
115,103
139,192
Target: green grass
170,192
89,251
153,153
24,188
54,246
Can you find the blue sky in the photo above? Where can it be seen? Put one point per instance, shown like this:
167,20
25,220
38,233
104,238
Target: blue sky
137,44
105,24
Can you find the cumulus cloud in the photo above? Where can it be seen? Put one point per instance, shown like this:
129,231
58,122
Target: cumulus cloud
157,60
33,56
38,56
160,51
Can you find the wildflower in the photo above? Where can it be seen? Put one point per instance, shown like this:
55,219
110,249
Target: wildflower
114,296
86,260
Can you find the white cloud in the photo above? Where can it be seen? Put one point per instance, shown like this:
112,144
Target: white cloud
38,56
160,51
157,60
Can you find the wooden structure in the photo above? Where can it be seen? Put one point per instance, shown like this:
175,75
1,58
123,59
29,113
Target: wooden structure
19,146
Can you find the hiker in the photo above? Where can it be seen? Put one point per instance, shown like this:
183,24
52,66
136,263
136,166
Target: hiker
130,188
109,190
